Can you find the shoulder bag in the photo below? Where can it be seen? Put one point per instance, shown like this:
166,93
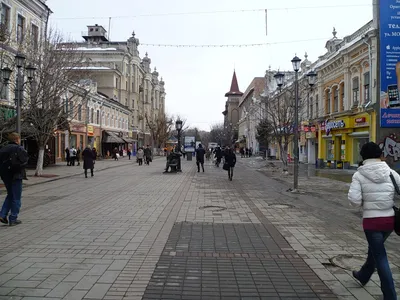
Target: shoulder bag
395,208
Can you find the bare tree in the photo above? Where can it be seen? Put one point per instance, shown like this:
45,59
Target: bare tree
51,97
217,133
280,120
160,129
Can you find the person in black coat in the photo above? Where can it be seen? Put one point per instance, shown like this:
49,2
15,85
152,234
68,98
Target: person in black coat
230,161
200,152
88,160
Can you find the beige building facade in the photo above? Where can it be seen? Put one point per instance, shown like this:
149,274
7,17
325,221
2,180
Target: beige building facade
122,75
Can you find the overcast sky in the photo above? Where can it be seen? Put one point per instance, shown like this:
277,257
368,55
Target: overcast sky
197,78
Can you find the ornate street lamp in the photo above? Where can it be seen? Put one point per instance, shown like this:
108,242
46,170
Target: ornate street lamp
312,78
296,63
279,77
296,67
20,60
19,89
30,72
6,72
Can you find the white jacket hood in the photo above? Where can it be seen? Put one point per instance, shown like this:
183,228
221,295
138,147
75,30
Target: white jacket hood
375,170
373,189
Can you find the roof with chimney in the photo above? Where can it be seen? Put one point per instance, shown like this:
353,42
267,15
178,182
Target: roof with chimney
234,91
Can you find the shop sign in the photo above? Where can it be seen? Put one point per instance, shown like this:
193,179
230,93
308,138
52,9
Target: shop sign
90,130
389,12
360,122
334,125
313,128
78,128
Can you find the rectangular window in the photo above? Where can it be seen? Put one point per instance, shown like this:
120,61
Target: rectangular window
126,85
366,88
98,117
356,91
342,97
336,101
4,91
328,103
71,109
20,28
35,37
311,108
5,17
116,83
316,106
79,112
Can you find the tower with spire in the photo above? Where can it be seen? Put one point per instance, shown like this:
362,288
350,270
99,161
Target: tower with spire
231,112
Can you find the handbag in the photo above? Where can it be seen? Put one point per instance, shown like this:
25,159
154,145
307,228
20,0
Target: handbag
225,167
395,208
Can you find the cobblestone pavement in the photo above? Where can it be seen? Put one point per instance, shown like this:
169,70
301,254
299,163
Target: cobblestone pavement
132,232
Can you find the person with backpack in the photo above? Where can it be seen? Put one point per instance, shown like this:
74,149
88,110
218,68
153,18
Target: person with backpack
13,159
373,188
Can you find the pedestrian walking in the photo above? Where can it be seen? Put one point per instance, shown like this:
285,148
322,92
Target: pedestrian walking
373,189
13,159
140,156
88,161
147,155
67,156
129,153
200,152
78,156
115,154
230,161
94,153
218,155
72,155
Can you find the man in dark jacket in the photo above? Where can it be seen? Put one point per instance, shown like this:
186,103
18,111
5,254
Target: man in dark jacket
147,155
13,159
88,160
218,155
200,152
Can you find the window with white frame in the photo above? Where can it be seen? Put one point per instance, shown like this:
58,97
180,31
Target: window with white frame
366,87
356,91
336,100
5,17
79,112
4,91
20,28
316,106
35,36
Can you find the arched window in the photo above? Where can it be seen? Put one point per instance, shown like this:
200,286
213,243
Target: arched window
356,91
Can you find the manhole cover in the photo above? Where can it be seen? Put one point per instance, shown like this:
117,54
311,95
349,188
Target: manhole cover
348,262
281,206
213,208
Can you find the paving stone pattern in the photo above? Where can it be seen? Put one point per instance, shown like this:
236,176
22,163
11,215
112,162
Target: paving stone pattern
110,236
230,261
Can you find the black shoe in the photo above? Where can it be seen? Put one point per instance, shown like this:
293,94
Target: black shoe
16,222
4,220
91,175
198,171
355,275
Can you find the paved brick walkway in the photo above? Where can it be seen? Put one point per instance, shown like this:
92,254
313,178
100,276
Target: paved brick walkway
132,232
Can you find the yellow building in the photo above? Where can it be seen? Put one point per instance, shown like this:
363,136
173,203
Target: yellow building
346,87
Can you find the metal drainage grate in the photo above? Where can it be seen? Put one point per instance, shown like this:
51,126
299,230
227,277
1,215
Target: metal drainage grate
280,206
348,262
213,208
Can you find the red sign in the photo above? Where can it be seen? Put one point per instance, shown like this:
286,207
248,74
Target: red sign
312,128
360,120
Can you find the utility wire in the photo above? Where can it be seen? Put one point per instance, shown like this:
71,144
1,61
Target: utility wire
215,12
229,45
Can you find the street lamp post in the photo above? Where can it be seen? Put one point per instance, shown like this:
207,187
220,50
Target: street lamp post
296,67
178,127
19,89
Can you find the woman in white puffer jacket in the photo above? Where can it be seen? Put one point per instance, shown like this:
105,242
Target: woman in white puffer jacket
373,190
